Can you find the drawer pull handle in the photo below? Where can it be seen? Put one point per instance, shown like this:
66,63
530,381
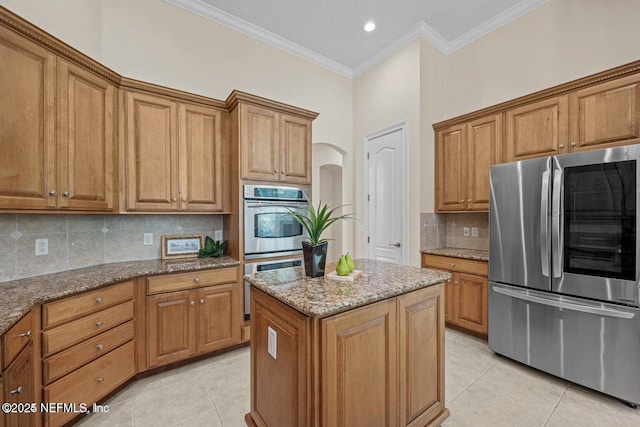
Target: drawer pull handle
99,300
99,324
201,300
196,280
26,334
453,264
101,380
16,391
192,303
100,346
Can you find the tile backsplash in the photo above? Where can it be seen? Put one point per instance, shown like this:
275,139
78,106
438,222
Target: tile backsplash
76,241
440,230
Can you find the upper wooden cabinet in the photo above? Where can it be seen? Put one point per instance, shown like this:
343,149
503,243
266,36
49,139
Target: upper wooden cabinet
174,155
536,130
274,140
464,153
605,115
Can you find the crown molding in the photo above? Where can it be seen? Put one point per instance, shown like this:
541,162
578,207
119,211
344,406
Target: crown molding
214,14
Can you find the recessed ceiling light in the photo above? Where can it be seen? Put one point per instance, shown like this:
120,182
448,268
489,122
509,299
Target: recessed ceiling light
369,26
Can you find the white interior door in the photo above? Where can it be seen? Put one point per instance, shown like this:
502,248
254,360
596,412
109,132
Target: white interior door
386,200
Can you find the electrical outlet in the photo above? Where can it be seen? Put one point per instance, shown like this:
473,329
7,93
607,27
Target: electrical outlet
148,239
217,235
465,231
272,342
42,247
474,231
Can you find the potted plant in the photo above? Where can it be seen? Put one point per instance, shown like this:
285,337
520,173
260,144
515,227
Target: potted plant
314,248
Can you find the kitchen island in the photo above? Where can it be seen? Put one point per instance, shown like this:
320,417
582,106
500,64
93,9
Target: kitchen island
328,353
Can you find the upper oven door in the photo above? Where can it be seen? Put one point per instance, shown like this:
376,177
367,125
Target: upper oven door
270,230
595,224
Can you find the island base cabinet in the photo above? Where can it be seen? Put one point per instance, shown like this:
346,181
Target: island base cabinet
377,365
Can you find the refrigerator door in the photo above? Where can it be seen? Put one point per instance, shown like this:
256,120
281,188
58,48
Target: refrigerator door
594,344
595,224
519,223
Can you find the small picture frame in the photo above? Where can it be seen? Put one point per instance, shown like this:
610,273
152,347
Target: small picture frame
182,246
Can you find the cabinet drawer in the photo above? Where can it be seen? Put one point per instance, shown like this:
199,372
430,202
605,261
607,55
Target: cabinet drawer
16,338
197,279
76,331
91,382
463,265
76,356
73,307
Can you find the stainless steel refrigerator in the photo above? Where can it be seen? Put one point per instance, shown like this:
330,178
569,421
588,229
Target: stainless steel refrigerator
564,267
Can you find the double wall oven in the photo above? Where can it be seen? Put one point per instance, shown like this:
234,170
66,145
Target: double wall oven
269,229
564,267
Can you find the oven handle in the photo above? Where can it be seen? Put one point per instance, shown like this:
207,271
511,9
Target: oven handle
554,302
274,204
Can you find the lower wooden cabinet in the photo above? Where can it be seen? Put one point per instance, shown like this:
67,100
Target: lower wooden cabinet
197,320
20,388
466,293
377,365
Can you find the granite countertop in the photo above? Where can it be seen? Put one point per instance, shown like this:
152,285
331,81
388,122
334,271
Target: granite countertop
321,296
18,296
476,254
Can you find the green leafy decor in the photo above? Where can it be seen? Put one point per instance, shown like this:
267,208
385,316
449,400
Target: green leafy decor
318,220
212,248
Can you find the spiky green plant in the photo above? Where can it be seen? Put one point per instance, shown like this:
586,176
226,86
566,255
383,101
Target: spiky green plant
318,220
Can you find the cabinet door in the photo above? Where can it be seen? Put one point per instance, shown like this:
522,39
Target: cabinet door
295,150
537,130
171,327
483,150
27,124
472,302
259,137
359,352
421,355
201,159
450,299
20,387
86,130
451,168
219,316
605,115
151,153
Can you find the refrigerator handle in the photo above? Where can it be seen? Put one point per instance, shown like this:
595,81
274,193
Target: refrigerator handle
555,301
556,222
544,226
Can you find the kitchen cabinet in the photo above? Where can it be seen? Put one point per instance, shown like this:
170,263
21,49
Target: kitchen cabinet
192,313
68,164
392,349
274,140
18,371
605,115
87,347
466,293
464,153
174,155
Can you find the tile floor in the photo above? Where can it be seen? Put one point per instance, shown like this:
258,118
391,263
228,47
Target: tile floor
482,389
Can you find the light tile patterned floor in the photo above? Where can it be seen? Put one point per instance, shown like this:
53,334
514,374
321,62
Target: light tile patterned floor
482,389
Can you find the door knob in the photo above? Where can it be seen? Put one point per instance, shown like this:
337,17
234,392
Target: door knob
396,244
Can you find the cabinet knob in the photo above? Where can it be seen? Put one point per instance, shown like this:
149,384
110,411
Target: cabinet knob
174,199
53,192
99,300
284,172
196,280
100,380
469,200
453,264
192,303
573,144
16,391
456,282
184,200
66,194
561,145
100,347
99,323
26,334
462,201
201,300
275,171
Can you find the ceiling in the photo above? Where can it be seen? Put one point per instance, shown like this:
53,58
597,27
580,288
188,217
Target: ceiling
330,32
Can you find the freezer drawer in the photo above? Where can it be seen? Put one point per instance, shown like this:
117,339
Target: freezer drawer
593,344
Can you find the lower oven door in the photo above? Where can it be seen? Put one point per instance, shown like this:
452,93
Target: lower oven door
593,344
255,267
270,230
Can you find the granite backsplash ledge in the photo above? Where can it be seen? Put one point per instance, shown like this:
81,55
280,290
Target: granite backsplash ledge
77,241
